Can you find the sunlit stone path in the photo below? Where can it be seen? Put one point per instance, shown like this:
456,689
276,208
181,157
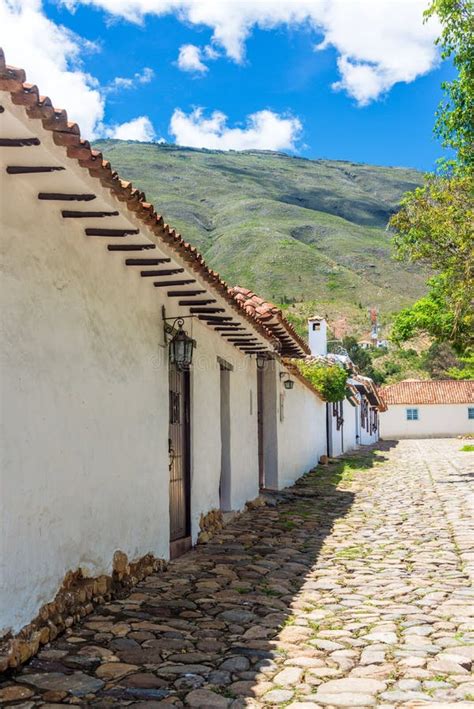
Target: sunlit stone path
354,591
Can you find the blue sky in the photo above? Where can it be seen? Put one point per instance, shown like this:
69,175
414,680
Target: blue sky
135,86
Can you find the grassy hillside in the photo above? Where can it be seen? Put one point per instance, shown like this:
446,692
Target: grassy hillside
293,230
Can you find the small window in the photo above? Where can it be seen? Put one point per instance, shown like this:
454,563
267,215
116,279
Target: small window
412,414
316,326
470,412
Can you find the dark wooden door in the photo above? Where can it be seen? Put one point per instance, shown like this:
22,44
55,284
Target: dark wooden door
178,444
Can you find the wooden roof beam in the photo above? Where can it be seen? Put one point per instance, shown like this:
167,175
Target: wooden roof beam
65,197
18,142
184,293
30,169
161,272
89,231
164,284
68,214
130,247
184,303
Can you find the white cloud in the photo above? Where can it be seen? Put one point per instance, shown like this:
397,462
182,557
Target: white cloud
51,54
121,82
140,128
265,130
378,42
189,59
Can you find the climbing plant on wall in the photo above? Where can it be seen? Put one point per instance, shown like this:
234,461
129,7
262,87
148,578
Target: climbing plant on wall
329,379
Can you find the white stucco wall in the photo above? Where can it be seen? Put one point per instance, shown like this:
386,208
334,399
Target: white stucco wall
442,420
336,444
367,438
350,414
206,432
301,433
84,422
84,392
84,407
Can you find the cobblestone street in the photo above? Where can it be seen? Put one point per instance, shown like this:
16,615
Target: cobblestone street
354,591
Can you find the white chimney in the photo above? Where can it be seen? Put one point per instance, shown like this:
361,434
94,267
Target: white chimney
317,335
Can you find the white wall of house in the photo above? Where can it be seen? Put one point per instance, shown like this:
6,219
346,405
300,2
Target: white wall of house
434,420
301,430
206,427
350,414
336,446
84,393
84,417
368,437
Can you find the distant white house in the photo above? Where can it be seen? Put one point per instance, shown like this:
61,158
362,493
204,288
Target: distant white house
353,421
424,409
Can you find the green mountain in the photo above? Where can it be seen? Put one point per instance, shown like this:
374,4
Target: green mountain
292,229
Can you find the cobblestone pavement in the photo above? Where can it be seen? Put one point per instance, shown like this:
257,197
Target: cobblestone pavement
355,591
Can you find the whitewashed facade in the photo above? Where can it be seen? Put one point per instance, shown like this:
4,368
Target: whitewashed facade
428,409
89,412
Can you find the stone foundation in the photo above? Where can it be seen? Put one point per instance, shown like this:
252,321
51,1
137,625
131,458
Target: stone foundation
210,524
75,599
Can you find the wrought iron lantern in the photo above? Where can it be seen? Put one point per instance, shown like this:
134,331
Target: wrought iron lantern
261,359
288,382
181,347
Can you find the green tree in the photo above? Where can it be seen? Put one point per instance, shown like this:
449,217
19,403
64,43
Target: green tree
455,116
435,315
465,370
439,359
435,223
361,357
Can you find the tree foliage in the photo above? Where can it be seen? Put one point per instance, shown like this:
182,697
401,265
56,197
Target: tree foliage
434,226
329,379
439,359
455,115
435,315
465,370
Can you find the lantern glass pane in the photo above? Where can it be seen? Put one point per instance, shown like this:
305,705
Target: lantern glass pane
189,351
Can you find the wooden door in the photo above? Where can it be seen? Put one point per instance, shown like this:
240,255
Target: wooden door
179,445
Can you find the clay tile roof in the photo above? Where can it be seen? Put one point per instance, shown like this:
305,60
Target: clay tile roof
413,391
291,344
67,134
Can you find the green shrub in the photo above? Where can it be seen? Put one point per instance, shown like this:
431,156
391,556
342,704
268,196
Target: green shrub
329,379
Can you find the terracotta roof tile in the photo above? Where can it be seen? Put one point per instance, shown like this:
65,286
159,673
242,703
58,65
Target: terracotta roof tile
292,345
447,391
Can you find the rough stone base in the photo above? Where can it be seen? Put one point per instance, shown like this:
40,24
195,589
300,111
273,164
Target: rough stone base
210,524
75,599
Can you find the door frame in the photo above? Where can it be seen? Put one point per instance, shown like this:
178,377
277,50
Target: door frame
268,423
182,544
260,431
225,480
